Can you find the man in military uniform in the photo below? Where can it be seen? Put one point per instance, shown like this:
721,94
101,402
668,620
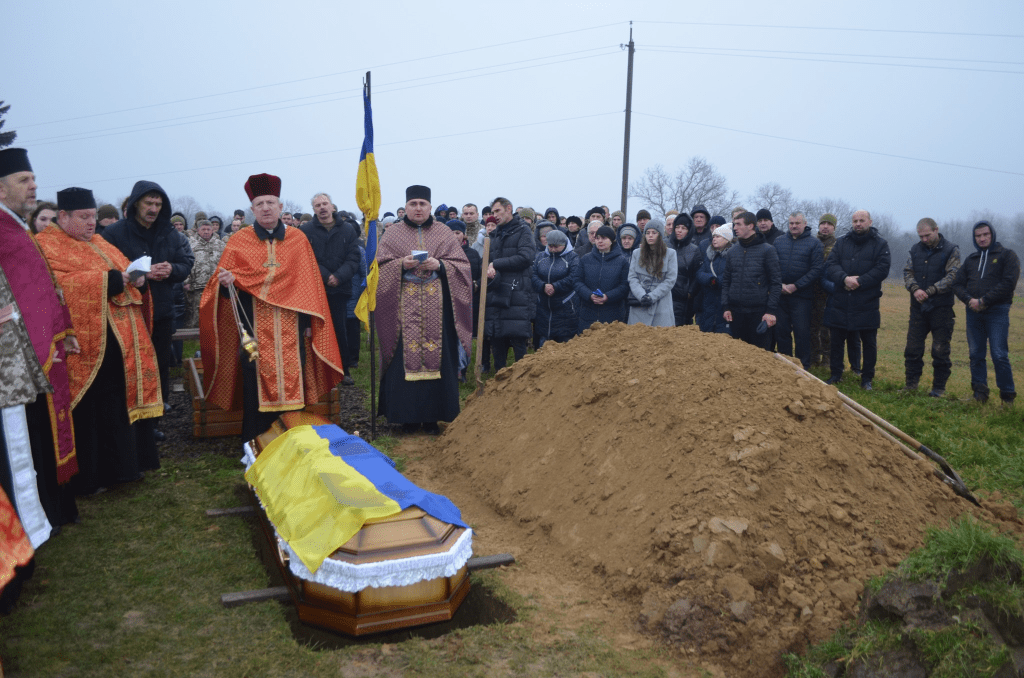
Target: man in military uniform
207,248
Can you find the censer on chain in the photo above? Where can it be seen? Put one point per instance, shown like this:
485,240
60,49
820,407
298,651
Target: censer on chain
248,342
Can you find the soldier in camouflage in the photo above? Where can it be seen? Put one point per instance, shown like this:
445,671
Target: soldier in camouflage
207,248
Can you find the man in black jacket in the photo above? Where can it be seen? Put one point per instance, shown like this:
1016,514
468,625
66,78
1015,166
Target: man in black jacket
801,261
985,283
928,276
751,283
510,298
335,243
857,265
146,230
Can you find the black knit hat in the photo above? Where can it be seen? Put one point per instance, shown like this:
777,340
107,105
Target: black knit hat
717,220
457,225
574,220
74,198
606,232
764,214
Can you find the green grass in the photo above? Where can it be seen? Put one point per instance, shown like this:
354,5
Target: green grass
965,542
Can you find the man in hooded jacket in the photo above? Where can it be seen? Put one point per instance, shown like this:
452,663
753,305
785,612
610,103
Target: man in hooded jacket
146,230
510,299
985,283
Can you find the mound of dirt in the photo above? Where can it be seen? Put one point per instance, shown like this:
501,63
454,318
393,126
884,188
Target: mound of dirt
735,503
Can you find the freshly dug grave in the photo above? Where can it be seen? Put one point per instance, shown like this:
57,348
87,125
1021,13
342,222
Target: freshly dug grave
736,504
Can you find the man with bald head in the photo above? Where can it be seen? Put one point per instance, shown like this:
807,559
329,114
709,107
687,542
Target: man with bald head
857,265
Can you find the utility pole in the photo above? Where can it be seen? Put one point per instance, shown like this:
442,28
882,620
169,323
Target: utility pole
629,111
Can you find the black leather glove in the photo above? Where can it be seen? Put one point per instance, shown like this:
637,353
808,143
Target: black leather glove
646,301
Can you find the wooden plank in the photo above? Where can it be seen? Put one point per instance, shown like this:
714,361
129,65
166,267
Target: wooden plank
216,416
488,562
279,593
185,334
233,511
196,383
232,428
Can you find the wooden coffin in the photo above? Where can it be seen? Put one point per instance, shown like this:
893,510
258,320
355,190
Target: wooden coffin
372,610
210,421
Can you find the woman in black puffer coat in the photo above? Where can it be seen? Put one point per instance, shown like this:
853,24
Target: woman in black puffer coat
688,261
510,297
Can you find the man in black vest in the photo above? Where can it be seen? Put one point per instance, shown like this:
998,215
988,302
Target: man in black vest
929,276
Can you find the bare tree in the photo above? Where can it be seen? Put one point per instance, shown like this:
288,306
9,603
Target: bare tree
187,205
774,198
840,209
699,182
6,138
293,207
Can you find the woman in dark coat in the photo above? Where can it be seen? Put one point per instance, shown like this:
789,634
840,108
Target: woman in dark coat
554,273
710,317
688,261
603,270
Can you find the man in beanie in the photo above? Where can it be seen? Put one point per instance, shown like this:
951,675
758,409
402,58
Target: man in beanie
282,304
36,425
526,214
857,266
510,299
642,217
751,283
105,216
146,230
819,332
423,317
766,225
207,248
986,283
114,380
929,276
336,246
701,226
459,228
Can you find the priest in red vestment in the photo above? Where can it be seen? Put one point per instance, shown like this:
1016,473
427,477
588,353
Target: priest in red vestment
115,378
281,303
424,313
39,298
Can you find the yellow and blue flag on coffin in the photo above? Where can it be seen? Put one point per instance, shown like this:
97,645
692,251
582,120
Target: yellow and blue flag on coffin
319,485
368,199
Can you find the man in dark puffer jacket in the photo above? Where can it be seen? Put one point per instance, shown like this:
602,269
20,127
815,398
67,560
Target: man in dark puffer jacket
985,283
751,283
857,265
510,298
801,262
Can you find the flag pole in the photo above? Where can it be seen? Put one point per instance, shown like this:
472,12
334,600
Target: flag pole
373,330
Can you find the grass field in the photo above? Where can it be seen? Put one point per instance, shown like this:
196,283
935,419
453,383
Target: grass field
134,590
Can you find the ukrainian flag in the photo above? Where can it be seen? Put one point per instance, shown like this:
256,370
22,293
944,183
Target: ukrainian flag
368,199
318,485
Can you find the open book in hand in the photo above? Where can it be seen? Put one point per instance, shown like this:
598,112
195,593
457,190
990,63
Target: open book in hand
139,267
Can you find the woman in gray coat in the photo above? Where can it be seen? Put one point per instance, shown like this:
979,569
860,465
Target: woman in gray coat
652,274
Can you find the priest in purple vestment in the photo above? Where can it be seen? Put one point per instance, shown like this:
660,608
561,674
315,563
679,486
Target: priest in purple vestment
424,316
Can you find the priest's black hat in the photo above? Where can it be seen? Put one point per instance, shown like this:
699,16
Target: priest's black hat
14,160
417,193
74,198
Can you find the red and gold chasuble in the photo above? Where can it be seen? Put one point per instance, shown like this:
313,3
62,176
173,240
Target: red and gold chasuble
81,268
284,281
411,307
48,321
15,549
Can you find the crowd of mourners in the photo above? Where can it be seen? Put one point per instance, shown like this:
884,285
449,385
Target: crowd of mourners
91,296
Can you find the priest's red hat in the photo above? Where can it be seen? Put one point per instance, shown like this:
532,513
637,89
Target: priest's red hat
263,184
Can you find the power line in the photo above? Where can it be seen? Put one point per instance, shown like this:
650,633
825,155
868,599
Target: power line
842,148
836,28
283,108
351,92
377,144
318,77
837,61
839,54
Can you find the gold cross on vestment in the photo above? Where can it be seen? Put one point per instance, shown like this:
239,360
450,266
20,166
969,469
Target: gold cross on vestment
272,262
